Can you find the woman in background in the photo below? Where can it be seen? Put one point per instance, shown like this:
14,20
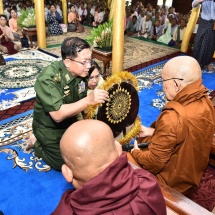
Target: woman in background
16,30
53,20
74,20
95,77
6,38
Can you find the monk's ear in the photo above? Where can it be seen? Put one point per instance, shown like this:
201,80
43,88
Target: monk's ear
118,147
67,173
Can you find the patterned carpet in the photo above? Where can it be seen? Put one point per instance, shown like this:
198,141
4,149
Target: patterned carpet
22,68
136,52
14,133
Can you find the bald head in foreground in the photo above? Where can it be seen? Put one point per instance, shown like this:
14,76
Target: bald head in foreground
183,132
104,180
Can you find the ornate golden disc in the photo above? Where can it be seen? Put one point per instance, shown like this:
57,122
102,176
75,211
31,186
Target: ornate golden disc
118,106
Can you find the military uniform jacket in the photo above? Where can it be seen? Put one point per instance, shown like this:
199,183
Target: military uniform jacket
54,87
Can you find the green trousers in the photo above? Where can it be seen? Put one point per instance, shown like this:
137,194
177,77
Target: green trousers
47,145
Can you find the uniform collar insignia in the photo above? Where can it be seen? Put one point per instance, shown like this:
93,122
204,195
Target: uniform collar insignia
81,87
67,77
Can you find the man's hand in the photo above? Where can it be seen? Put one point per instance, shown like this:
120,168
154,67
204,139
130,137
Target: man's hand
97,96
145,131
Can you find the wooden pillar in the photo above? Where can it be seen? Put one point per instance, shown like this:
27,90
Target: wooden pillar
1,7
189,30
65,14
40,23
118,35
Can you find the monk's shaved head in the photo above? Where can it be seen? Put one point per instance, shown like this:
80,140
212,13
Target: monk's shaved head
88,147
184,67
178,73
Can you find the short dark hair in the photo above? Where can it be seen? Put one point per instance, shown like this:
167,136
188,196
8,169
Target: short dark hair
72,45
94,65
2,15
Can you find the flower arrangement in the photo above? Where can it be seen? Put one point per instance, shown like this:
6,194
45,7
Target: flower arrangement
102,36
27,18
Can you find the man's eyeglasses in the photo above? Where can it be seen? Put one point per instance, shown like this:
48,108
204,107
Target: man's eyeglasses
94,77
82,63
181,79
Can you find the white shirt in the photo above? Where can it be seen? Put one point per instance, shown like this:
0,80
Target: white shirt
80,12
7,14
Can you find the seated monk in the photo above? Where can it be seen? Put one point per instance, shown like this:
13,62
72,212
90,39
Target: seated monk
181,138
104,180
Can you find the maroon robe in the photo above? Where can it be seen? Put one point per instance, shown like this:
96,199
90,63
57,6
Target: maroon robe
119,189
8,44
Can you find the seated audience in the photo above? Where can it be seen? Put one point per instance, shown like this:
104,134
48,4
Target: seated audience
140,19
106,16
7,12
90,14
178,34
98,16
180,139
53,20
6,38
82,11
127,17
104,181
131,27
17,31
156,30
146,26
47,9
167,22
153,16
167,37
74,20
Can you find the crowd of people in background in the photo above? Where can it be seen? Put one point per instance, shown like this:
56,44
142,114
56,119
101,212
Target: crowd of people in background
161,24
158,23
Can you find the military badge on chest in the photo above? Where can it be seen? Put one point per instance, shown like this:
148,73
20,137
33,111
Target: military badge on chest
81,87
66,91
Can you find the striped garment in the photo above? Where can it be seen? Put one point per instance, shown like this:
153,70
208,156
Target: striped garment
204,44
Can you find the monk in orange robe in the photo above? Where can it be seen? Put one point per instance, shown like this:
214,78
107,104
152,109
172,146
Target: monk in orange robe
181,138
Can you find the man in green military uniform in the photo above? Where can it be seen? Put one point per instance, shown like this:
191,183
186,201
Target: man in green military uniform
60,98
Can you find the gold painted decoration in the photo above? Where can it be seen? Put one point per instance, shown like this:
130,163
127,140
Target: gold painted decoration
117,78
133,132
121,109
57,77
118,105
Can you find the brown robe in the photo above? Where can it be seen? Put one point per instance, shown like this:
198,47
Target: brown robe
180,146
119,189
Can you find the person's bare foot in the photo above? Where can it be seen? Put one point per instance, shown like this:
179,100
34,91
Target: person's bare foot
30,143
